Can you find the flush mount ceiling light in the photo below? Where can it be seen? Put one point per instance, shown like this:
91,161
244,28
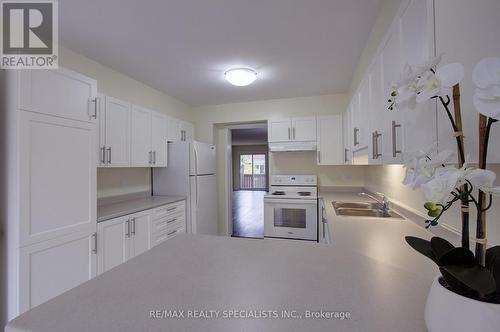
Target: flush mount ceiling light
240,76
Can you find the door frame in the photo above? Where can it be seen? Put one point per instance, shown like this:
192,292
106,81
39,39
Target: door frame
228,169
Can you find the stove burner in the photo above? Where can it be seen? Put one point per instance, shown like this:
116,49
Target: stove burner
304,193
278,193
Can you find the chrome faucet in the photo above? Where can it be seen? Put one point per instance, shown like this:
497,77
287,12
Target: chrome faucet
384,201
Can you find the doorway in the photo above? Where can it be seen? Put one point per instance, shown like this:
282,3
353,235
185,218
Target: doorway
250,180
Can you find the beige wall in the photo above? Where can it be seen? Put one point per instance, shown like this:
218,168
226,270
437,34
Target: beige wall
207,116
118,181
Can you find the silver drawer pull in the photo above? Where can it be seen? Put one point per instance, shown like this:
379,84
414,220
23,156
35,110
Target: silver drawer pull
172,209
133,226
103,155
171,221
127,234
109,155
172,232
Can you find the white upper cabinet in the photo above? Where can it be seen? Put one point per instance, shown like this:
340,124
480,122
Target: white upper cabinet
346,130
140,148
58,177
280,131
330,140
300,129
375,116
390,57
179,131
114,132
174,130
159,139
304,129
60,92
418,121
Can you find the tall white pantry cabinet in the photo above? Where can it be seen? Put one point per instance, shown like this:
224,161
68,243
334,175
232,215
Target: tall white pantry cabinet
51,173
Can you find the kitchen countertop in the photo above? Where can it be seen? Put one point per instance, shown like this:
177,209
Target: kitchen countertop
132,204
368,271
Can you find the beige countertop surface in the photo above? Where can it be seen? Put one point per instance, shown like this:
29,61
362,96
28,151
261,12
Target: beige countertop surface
129,205
368,271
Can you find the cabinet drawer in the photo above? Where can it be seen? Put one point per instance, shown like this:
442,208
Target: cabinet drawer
168,234
168,210
170,222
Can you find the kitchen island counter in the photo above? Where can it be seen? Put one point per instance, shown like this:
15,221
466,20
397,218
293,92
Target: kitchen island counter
239,275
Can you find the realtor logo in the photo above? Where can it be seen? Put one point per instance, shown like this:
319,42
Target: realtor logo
29,35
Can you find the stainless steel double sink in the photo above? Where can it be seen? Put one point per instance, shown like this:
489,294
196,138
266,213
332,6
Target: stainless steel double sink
361,209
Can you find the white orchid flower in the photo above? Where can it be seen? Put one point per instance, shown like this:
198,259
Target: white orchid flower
483,179
486,73
486,76
440,83
405,91
421,166
443,183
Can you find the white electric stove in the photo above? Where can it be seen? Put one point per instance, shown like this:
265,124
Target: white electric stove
291,207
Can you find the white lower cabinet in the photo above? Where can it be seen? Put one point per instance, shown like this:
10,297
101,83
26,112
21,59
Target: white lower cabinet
113,243
123,238
52,267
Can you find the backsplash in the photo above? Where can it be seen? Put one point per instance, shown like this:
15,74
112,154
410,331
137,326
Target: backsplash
122,181
305,163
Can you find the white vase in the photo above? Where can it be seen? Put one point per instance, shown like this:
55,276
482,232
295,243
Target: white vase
446,311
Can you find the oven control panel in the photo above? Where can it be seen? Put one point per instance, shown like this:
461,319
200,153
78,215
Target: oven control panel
294,180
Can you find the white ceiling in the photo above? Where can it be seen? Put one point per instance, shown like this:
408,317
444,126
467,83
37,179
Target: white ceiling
183,47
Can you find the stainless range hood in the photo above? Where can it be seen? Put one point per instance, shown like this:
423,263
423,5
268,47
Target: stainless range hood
292,146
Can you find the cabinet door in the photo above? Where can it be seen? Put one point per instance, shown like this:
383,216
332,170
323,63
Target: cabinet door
280,131
363,113
355,127
377,103
101,127
330,147
392,149
419,124
188,129
346,129
304,129
174,130
140,137
52,267
60,92
141,233
159,139
113,247
117,124
58,177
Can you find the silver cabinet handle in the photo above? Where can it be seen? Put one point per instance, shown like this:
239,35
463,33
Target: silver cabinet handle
171,220
377,151
154,157
103,155
395,151
133,227
293,132
172,232
345,154
319,157
172,209
109,155
356,132
289,133
94,243
127,234
150,158
95,101
373,145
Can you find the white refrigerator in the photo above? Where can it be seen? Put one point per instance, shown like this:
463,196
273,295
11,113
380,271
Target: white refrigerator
191,173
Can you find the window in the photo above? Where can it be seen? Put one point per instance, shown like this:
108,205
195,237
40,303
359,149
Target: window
253,171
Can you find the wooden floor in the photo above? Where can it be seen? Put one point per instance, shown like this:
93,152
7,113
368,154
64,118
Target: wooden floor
248,213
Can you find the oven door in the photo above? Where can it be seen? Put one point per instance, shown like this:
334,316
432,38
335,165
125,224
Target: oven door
291,218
